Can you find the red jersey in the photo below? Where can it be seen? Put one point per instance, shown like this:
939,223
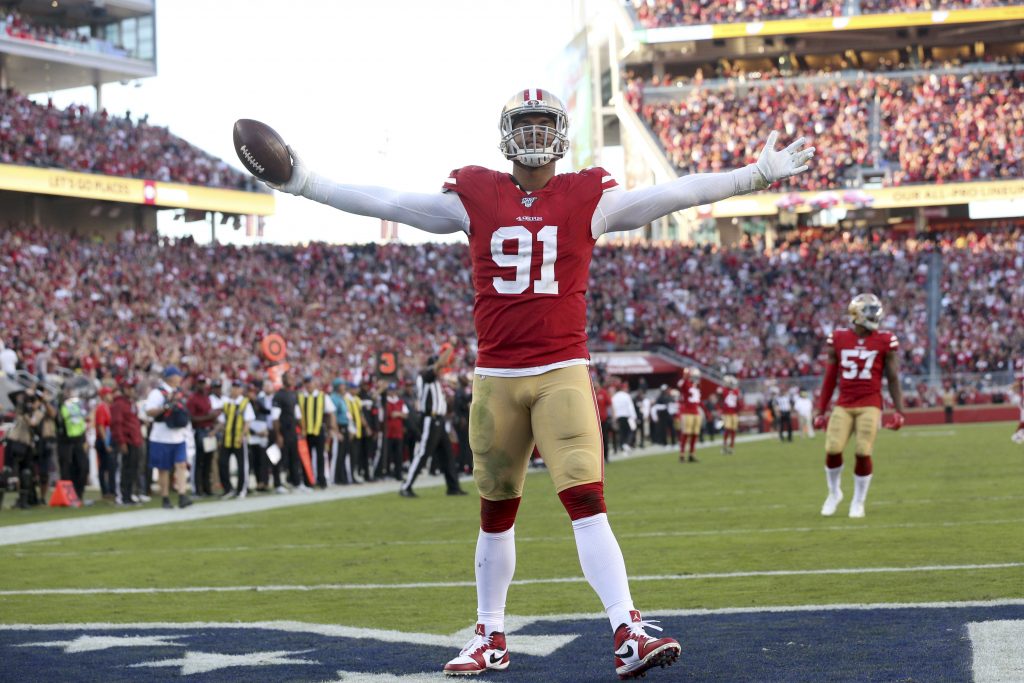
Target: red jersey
102,416
731,402
530,253
861,365
689,399
395,413
604,403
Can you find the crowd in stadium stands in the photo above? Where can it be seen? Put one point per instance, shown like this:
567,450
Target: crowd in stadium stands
934,128
15,25
116,309
953,127
660,13
78,139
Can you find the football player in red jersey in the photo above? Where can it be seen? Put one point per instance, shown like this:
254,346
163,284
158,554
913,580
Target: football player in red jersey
857,358
531,237
730,414
1018,436
689,413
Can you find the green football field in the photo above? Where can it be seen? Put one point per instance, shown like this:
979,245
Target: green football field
945,522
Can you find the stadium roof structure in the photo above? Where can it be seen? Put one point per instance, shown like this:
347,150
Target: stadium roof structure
118,44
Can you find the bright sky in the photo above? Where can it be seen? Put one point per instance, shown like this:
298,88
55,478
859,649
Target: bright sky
394,93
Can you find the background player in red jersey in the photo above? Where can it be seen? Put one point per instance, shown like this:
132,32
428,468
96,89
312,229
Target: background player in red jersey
1018,436
690,415
857,357
730,413
531,236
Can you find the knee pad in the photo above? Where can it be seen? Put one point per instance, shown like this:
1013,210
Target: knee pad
585,500
497,516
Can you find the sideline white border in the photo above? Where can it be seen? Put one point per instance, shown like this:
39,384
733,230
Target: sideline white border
275,588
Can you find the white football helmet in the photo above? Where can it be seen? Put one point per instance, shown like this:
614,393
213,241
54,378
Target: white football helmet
731,381
534,146
866,310
694,374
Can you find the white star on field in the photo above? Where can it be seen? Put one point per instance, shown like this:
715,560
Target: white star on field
202,662
93,643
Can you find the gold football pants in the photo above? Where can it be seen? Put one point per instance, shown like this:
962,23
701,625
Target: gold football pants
556,410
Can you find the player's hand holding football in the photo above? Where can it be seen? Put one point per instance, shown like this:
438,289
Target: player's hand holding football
301,175
774,165
893,422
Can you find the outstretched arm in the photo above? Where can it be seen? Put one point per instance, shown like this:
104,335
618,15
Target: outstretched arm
437,213
620,210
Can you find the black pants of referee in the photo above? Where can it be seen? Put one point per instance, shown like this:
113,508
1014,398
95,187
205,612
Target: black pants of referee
785,425
433,441
241,455
290,457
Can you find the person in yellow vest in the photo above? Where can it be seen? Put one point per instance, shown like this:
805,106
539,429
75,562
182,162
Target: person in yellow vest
356,432
71,447
318,421
236,416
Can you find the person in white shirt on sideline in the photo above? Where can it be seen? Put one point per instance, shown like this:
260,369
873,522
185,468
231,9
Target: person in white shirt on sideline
167,449
624,414
803,407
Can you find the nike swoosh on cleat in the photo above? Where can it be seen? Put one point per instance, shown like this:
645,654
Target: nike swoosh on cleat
628,651
495,658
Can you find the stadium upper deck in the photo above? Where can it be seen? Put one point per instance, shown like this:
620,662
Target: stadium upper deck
111,172
892,94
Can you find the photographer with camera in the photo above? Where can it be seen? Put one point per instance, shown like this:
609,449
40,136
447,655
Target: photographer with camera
167,450
46,446
19,445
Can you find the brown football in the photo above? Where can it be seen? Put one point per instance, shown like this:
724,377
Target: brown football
262,151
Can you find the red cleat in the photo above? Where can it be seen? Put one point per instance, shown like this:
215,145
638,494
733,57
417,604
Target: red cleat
636,652
480,654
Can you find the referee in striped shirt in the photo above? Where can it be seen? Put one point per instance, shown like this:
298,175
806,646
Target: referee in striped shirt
432,407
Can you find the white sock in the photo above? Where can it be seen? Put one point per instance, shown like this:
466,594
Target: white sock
604,566
833,476
860,488
495,565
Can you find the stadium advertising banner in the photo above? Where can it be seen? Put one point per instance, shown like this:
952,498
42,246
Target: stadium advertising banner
905,196
672,34
55,181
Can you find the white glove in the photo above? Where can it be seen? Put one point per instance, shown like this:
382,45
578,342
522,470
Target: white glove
774,165
300,180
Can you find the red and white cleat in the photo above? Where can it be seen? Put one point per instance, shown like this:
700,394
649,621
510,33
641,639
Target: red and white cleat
481,653
636,652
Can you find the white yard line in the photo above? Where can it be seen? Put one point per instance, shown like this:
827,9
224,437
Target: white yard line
520,582
135,519
271,547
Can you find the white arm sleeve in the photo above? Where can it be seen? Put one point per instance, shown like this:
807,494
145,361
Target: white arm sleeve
622,210
439,213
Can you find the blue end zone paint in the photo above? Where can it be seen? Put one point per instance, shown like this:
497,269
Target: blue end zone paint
914,644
